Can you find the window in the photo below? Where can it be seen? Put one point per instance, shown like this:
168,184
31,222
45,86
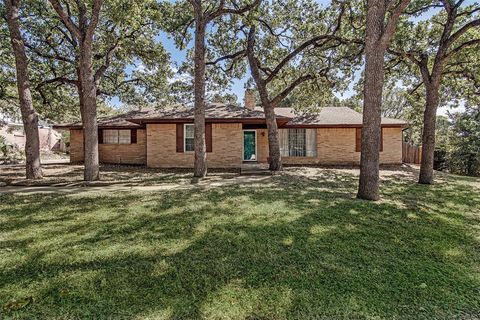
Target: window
185,137
189,135
298,142
117,136
110,136
124,137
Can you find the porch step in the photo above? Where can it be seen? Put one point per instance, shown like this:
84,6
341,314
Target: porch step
254,169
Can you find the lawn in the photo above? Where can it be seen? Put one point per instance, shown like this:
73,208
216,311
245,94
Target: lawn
298,246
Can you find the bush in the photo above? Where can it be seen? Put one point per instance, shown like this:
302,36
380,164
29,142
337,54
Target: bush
9,153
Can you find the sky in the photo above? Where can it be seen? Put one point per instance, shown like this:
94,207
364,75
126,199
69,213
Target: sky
178,56
238,85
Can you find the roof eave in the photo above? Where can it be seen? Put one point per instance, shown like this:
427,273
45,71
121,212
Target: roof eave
66,126
79,127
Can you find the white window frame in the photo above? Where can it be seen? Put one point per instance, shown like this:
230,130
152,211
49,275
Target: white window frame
185,125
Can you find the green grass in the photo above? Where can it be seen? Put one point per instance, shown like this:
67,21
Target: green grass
297,248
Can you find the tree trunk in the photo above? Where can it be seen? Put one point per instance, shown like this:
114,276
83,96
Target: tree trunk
275,162
374,78
29,117
80,93
89,113
200,164
428,136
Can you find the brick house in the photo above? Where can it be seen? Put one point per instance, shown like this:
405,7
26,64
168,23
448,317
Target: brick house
235,135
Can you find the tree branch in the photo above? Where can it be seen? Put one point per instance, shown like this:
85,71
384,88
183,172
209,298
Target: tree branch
252,60
313,41
463,30
415,11
463,45
96,8
222,10
415,88
405,55
63,80
392,23
55,56
232,56
66,19
278,98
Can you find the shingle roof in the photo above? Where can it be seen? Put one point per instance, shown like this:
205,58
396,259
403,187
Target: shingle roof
335,116
212,111
112,121
326,116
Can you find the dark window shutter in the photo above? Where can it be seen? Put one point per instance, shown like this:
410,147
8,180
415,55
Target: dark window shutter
358,139
208,136
100,136
179,137
133,135
381,139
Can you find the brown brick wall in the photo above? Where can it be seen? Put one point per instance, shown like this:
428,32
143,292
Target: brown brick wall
227,147
76,146
334,146
337,146
392,146
262,145
134,153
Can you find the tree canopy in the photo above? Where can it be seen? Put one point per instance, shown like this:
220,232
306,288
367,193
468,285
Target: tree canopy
129,61
300,54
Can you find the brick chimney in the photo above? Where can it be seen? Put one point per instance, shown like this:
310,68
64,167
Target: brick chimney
249,99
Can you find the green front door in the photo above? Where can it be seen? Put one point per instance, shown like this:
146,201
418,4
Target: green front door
249,146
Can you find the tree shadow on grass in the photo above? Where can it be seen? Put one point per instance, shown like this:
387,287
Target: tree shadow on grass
299,248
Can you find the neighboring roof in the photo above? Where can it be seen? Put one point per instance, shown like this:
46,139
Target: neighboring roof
329,116
213,111
325,117
16,122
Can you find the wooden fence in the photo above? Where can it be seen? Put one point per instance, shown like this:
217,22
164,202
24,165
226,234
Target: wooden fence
411,153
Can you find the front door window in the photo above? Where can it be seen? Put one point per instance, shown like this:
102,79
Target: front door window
249,146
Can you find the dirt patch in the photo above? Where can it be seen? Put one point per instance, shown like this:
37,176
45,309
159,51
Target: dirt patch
63,174
72,175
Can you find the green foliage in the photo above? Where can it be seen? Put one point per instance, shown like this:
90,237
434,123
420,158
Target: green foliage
283,26
227,98
221,39
135,64
463,149
9,153
419,36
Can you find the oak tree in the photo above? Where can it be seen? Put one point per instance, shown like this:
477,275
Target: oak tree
381,22
204,12
29,116
442,51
